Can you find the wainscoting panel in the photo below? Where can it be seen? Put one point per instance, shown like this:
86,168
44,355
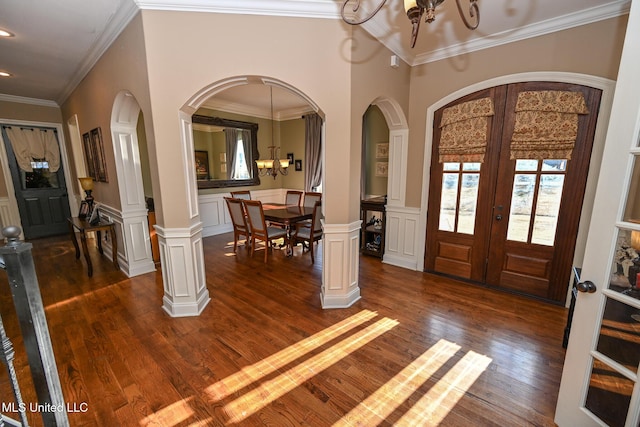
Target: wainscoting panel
401,237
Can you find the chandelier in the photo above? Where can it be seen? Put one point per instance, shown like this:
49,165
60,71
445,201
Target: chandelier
273,165
415,9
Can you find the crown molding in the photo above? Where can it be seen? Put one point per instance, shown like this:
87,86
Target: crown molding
31,101
584,17
114,27
297,8
254,111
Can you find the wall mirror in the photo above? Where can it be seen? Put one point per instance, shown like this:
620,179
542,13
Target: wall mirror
225,152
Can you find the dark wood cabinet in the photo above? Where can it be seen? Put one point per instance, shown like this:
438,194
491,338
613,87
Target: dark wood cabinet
372,214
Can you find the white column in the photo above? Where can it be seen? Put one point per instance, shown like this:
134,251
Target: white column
341,257
182,260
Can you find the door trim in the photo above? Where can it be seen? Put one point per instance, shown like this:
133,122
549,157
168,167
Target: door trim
607,86
14,213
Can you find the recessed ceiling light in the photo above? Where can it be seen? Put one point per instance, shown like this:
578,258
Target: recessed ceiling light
5,33
5,74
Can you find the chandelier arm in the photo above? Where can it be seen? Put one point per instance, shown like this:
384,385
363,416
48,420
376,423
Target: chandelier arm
474,12
355,8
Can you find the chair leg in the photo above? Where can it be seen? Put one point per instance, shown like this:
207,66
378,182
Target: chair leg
235,241
311,250
266,249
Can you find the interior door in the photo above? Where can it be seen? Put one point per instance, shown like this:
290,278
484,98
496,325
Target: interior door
509,223
600,379
41,196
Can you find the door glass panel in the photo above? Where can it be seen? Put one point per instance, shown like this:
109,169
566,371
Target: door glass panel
626,264
526,165
448,202
459,197
521,207
554,165
547,209
609,394
40,177
620,334
632,208
468,202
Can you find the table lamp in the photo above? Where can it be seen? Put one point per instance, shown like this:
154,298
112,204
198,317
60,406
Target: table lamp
87,185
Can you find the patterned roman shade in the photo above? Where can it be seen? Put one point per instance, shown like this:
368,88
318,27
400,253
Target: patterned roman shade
464,131
546,124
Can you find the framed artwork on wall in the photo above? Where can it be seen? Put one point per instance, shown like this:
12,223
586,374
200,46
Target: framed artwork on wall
100,163
382,168
382,150
298,165
89,155
290,157
202,164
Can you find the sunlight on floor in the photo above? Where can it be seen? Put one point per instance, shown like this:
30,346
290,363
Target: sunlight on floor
171,415
257,371
60,304
271,390
260,384
387,398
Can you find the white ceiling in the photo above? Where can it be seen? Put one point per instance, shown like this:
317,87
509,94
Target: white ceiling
56,45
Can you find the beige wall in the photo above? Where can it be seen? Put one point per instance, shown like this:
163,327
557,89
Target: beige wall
292,140
28,113
121,68
180,65
593,49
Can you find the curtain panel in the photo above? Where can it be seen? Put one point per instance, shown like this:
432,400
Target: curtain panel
29,144
464,131
313,151
231,142
546,124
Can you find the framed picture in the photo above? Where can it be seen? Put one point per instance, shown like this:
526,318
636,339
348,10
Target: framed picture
84,209
290,157
298,165
99,160
89,155
382,150
202,164
382,168
94,217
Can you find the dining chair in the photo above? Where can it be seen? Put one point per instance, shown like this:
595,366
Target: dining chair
293,197
242,194
311,198
239,220
259,228
310,234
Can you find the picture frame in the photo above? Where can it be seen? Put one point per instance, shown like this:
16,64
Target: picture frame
298,165
202,164
382,150
94,218
89,155
382,169
99,159
84,209
290,157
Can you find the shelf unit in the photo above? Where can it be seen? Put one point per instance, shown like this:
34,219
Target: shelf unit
372,234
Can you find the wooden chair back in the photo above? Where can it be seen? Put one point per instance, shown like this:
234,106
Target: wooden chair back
259,228
293,197
310,199
242,194
238,219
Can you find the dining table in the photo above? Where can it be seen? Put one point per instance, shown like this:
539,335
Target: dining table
288,216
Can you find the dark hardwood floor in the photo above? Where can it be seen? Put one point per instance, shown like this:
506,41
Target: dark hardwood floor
416,350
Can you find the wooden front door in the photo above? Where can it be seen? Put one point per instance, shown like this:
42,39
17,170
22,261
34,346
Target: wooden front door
509,223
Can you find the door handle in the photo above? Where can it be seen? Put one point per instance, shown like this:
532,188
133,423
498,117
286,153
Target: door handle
498,217
587,286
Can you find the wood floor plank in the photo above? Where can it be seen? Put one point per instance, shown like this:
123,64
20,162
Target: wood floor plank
265,353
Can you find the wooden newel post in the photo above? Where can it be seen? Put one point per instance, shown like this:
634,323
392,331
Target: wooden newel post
17,260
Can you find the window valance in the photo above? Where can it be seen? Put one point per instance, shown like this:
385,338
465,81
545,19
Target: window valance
29,144
546,124
464,131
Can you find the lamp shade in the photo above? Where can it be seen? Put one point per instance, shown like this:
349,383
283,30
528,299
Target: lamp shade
86,183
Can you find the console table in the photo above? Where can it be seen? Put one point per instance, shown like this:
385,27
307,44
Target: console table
83,226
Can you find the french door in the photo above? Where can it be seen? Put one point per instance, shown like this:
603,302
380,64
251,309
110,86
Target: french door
601,375
508,222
